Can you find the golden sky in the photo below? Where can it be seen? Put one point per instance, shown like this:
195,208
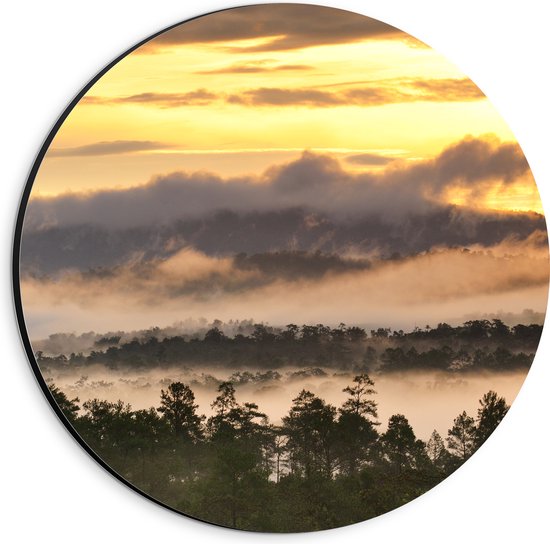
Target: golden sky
238,91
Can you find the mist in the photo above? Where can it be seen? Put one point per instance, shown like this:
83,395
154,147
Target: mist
402,293
429,400
314,181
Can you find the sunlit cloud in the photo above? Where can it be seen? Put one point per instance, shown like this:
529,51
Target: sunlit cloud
200,97
316,182
255,67
446,90
433,286
369,159
116,147
282,27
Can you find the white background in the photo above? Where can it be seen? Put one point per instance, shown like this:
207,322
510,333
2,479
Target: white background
51,490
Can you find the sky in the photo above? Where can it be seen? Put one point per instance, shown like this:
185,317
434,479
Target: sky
319,130
261,91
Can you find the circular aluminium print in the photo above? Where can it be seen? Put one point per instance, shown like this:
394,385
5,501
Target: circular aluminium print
281,268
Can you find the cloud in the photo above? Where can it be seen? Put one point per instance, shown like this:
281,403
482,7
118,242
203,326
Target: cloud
379,94
115,147
274,238
296,265
198,97
443,90
266,96
474,159
312,182
254,67
307,205
471,165
280,26
447,90
369,159
193,273
426,288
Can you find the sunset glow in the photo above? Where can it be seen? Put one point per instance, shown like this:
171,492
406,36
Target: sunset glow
232,106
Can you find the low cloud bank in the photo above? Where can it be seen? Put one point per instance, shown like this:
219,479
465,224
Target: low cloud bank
313,182
428,287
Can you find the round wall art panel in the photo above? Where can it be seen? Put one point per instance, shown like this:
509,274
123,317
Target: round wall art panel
281,268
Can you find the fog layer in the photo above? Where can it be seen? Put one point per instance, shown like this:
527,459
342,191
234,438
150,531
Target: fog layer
428,288
429,400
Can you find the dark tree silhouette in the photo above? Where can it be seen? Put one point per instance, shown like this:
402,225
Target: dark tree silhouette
225,401
492,409
461,438
177,405
69,408
436,451
401,447
321,468
472,346
356,431
242,439
358,402
311,430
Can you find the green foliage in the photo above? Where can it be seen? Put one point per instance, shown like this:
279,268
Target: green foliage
177,405
356,425
68,407
461,438
399,447
358,402
436,451
475,345
492,409
312,437
324,467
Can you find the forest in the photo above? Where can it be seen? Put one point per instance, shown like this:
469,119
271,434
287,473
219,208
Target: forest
322,467
476,345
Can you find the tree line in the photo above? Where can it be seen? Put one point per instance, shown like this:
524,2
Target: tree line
321,467
474,345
